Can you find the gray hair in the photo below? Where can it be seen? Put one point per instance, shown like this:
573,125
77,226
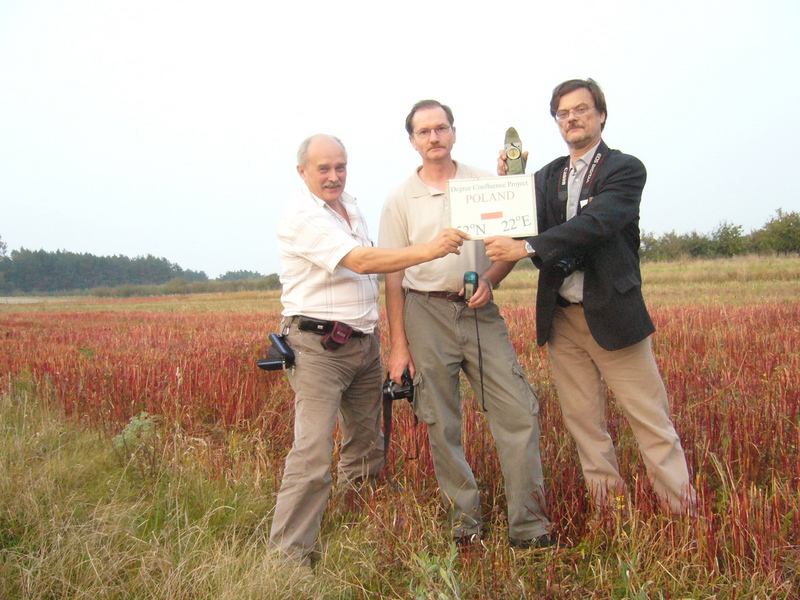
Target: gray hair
302,151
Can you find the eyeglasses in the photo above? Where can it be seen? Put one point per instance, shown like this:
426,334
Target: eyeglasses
563,115
441,131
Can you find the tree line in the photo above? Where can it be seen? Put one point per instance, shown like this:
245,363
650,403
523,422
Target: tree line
40,272
780,235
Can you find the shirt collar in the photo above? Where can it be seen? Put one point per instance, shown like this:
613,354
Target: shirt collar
420,188
345,198
586,158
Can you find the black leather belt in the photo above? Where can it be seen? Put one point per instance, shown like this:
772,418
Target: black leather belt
321,327
564,303
449,296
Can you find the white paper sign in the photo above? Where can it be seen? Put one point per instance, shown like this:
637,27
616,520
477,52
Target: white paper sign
493,206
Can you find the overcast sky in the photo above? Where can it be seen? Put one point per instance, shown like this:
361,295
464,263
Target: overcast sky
170,127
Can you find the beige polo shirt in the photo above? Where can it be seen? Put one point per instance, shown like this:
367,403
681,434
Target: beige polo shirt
414,213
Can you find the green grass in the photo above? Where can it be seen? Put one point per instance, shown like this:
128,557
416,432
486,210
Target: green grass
80,518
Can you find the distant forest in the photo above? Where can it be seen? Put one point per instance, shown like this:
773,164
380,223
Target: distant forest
39,272
779,235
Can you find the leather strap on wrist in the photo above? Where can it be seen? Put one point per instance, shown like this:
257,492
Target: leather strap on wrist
490,284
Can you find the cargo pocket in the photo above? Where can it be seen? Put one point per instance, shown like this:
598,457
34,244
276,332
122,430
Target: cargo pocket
529,393
422,404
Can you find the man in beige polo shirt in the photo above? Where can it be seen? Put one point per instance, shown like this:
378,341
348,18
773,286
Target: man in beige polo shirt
437,335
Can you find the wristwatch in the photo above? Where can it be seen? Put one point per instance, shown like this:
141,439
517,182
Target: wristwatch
529,249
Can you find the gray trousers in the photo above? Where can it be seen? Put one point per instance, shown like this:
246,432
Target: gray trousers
443,341
343,383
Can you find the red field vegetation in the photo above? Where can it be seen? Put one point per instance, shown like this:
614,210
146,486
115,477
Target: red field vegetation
732,373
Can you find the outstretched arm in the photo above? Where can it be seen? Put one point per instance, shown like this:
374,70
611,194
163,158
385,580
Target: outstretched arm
365,259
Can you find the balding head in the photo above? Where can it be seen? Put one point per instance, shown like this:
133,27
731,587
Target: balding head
302,151
322,163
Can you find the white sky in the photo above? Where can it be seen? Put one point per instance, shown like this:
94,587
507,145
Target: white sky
170,127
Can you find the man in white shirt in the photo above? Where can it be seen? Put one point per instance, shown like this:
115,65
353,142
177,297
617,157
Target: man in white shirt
330,298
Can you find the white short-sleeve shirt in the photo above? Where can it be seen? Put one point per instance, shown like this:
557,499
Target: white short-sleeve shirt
312,240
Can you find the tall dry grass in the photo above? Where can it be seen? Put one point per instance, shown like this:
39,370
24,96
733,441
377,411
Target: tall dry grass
98,500
81,518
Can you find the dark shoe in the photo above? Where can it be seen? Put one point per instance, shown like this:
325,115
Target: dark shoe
466,541
543,541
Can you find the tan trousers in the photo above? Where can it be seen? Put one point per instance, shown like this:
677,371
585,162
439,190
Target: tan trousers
344,384
579,363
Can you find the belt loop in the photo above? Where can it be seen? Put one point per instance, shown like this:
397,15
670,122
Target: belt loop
286,323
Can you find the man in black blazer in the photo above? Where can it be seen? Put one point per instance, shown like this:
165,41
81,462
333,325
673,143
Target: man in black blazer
589,307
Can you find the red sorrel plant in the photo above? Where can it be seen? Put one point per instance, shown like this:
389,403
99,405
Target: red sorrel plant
732,373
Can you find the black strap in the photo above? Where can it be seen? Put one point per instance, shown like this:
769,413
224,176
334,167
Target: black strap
480,361
599,157
387,439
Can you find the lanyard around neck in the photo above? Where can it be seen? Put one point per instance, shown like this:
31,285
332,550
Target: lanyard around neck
599,157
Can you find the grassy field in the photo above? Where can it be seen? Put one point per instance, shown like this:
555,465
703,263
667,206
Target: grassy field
141,450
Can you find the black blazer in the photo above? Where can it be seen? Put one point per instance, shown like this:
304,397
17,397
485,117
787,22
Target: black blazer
606,234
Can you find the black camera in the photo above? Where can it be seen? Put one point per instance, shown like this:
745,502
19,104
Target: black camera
567,266
279,356
395,391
